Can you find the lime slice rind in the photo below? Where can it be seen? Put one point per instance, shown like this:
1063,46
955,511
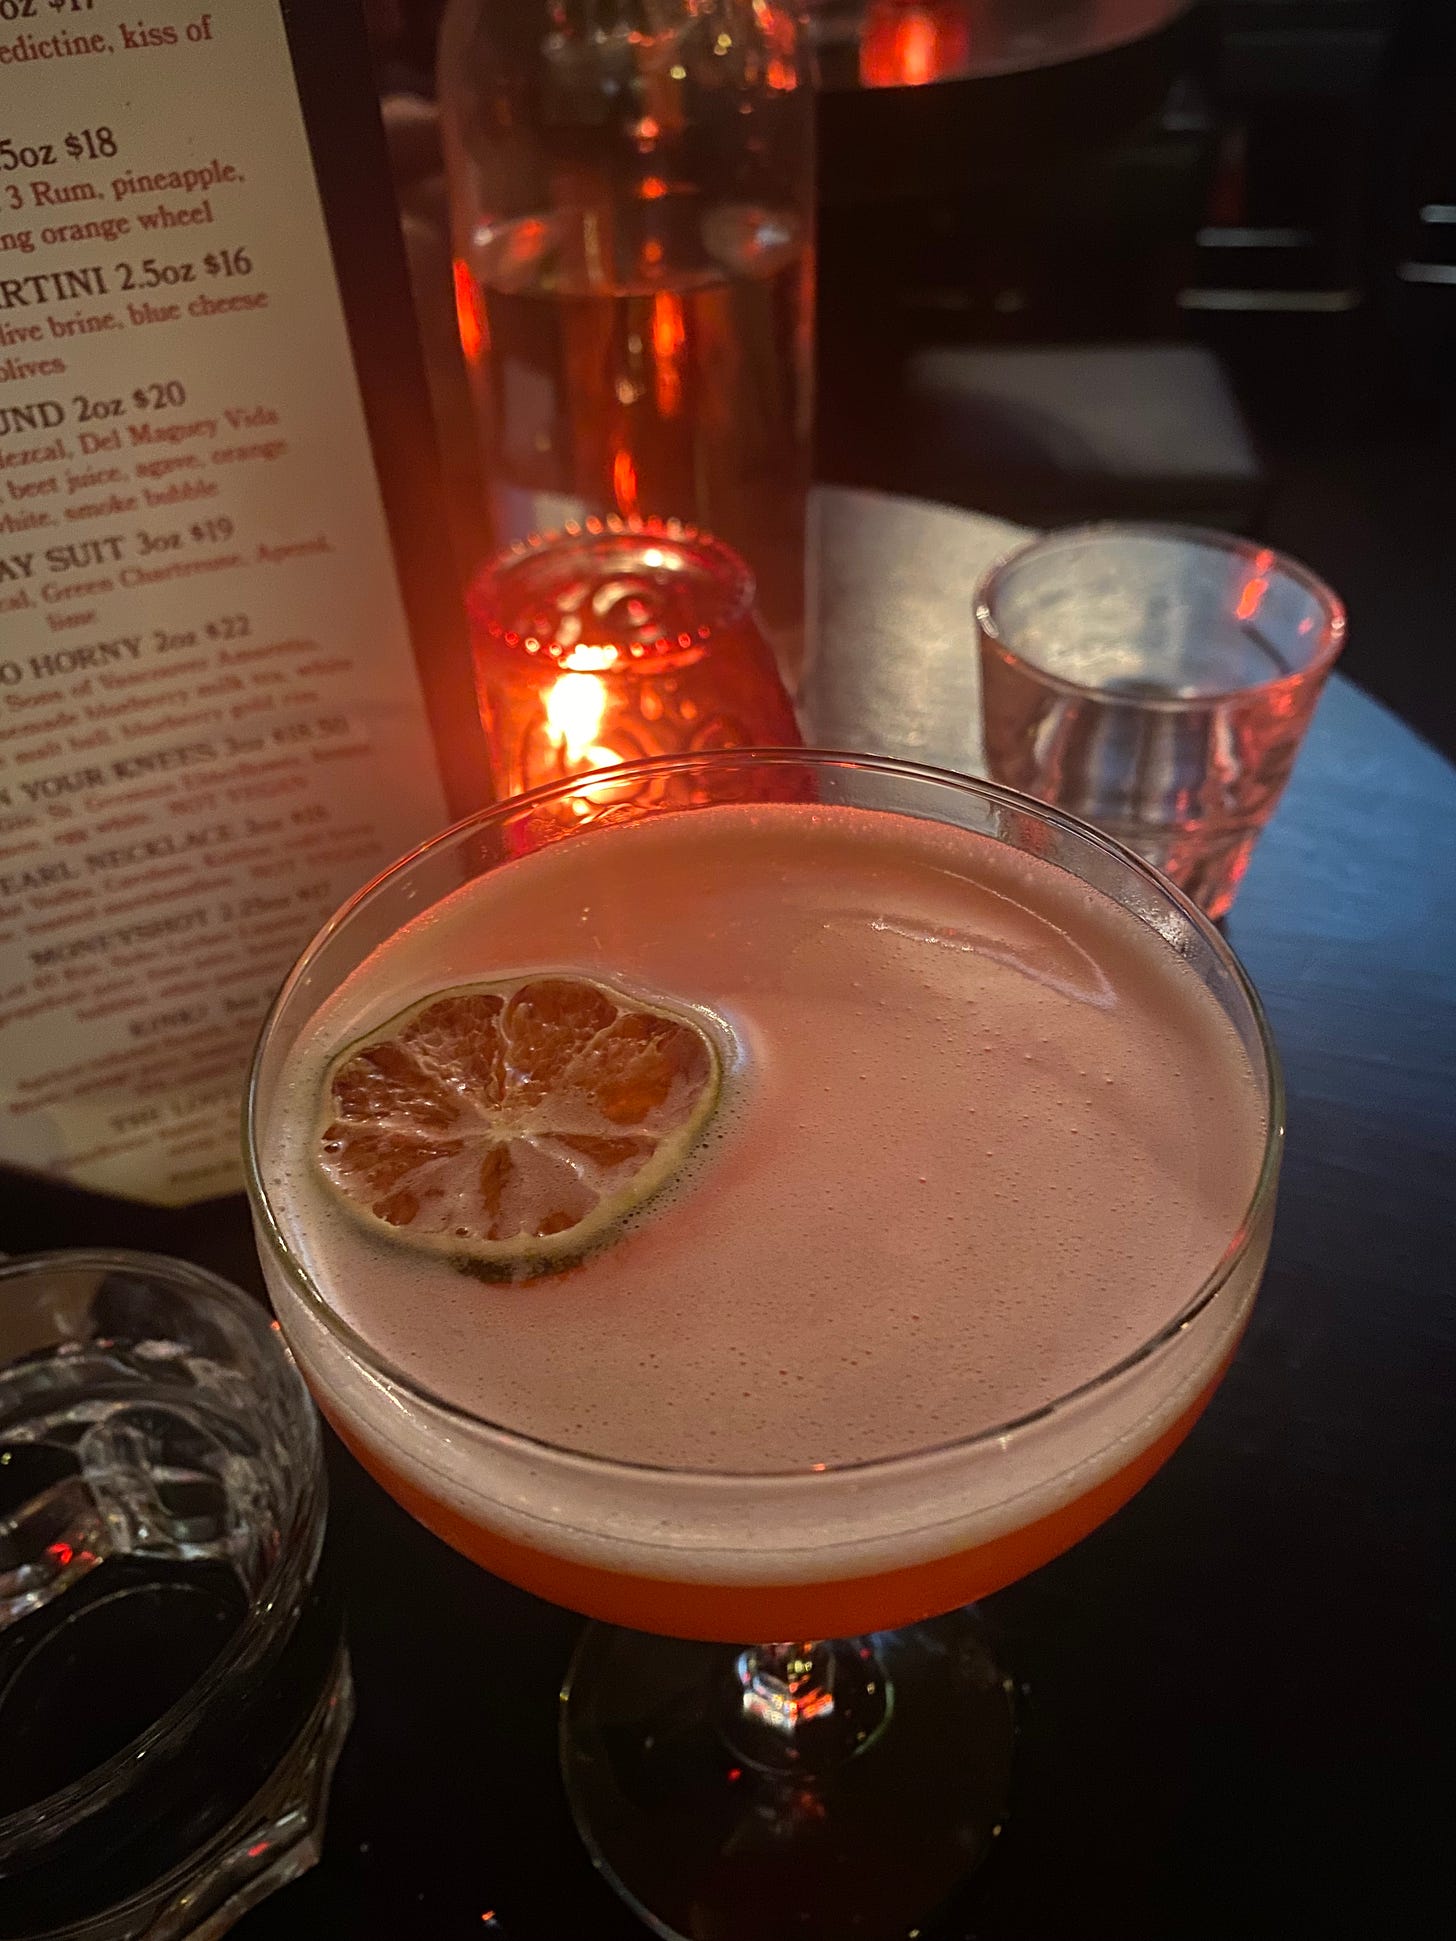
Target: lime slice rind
437,1130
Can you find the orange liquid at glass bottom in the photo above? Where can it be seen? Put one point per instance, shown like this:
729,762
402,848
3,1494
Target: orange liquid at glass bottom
739,1612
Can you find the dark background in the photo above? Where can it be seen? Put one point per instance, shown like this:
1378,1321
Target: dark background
1209,275
1262,184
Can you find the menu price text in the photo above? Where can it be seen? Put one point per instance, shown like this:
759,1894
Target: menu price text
211,729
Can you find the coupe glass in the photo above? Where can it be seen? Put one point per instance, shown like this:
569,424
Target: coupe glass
843,1777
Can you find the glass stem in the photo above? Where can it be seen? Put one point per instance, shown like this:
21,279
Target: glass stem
804,1709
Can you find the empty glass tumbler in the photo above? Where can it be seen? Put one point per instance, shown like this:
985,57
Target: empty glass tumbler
1156,681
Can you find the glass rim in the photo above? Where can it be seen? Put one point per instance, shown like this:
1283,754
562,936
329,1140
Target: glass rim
1232,545
380,1368
734,578
265,1612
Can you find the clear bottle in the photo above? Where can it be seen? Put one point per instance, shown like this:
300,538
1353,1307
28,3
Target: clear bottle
631,187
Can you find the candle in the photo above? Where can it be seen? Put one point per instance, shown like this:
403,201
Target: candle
619,638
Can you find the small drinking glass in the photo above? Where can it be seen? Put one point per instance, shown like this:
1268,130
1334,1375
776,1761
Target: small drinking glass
174,1688
1157,681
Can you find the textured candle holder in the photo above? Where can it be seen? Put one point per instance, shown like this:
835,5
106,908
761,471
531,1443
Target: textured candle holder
618,638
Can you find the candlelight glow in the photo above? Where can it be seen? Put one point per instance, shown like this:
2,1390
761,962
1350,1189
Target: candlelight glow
1251,597
910,43
601,644
668,337
780,34
575,707
585,659
1251,594
469,314
624,484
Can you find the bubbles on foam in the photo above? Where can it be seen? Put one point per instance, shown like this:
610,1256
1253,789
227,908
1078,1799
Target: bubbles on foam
747,1245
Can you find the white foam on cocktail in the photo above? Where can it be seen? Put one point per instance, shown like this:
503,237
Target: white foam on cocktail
983,1136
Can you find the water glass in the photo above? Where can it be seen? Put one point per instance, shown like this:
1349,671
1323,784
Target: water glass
632,211
174,1688
1156,681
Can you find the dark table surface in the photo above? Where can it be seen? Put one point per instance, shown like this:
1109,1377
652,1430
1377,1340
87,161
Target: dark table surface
1233,1723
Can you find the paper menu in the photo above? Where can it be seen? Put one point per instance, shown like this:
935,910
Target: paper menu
211,725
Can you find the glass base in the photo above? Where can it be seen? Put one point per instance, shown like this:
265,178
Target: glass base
276,1837
279,1837
706,1838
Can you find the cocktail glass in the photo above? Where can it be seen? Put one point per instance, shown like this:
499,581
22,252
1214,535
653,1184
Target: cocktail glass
842,1779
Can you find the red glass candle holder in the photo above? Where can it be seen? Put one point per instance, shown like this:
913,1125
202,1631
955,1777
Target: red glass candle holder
618,638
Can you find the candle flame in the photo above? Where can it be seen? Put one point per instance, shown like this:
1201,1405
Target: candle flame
575,707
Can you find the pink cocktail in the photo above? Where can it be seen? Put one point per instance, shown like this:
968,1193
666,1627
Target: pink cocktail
973,1233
